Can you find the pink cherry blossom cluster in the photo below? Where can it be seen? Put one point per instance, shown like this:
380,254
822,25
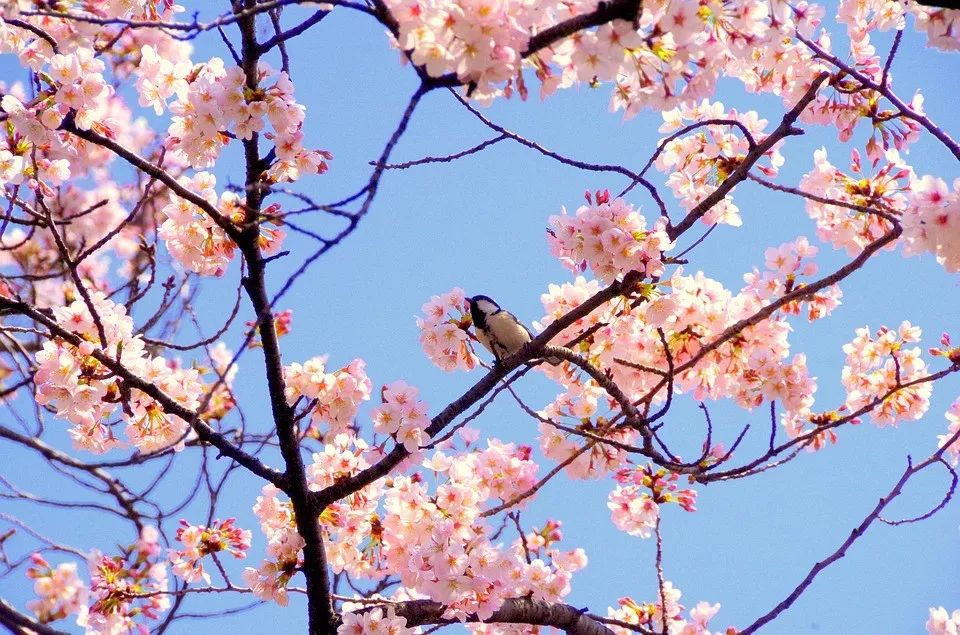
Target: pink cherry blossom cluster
33,137
402,415
851,103
862,16
807,422
200,540
338,394
111,42
560,299
880,364
664,614
847,228
60,592
700,161
480,40
440,546
74,83
942,26
214,104
457,565
699,309
83,391
943,623
80,86
191,235
352,528
785,265
611,237
635,503
159,78
544,537
931,222
443,331
376,621
674,53
578,408
269,581
128,588
32,127
953,445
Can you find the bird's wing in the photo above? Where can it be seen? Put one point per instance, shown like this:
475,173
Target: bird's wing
507,334
515,319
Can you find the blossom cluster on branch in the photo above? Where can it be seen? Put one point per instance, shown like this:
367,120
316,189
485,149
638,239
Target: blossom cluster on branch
395,516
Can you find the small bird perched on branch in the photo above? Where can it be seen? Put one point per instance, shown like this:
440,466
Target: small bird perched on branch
498,330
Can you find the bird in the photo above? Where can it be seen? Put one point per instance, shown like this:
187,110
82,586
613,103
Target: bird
498,330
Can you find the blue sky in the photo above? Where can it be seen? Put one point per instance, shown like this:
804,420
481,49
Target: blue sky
479,224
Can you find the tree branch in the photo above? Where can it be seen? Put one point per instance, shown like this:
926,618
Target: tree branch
516,611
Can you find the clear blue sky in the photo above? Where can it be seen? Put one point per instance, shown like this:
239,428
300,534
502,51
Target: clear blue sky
479,224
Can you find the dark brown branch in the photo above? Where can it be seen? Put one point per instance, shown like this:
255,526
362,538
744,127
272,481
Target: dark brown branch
319,607
158,173
449,158
293,32
857,532
43,35
446,416
516,611
785,129
17,622
170,406
884,90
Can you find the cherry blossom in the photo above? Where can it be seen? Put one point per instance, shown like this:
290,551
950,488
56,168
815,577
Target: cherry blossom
79,387
200,540
952,445
880,364
851,229
127,589
192,236
60,592
374,622
610,237
931,222
664,614
402,415
443,331
637,511
943,623
337,394
700,161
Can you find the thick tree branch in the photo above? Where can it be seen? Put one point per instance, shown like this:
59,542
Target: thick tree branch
785,129
319,607
154,171
383,467
170,406
884,90
17,622
516,611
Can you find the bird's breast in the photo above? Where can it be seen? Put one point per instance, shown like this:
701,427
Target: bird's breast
506,334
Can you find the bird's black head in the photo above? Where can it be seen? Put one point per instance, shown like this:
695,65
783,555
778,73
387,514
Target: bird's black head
480,307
